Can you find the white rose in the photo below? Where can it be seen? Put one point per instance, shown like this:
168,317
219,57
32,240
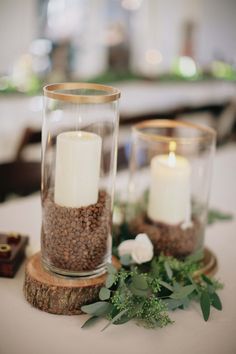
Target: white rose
143,238
126,247
140,249
143,249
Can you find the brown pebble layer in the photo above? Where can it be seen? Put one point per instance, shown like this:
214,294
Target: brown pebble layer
76,239
171,240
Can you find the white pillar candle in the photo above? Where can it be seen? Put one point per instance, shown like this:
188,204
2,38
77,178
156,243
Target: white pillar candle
169,194
78,158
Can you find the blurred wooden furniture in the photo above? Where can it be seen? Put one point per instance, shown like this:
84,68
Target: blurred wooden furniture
29,137
19,177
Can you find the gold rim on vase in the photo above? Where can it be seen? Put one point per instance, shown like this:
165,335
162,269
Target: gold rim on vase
205,133
107,93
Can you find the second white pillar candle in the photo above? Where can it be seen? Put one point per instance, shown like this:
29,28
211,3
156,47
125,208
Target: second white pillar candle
169,194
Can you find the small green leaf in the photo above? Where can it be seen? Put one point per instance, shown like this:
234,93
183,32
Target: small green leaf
138,292
173,304
205,305
176,286
139,285
107,325
90,322
126,260
216,215
191,279
215,301
111,269
196,257
206,279
183,292
211,289
139,282
155,268
110,280
104,293
100,308
168,270
165,285
116,319
185,303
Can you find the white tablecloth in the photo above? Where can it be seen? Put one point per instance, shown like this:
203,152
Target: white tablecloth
26,330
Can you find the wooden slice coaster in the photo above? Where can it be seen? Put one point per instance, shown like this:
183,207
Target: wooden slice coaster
59,295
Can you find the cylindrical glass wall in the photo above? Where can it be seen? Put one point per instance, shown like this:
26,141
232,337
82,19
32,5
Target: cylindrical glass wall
170,175
79,150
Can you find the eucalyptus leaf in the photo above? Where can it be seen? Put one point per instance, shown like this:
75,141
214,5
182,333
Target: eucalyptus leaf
185,303
90,321
183,292
107,325
176,286
116,319
216,215
138,292
139,282
166,285
126,260
124,319
110,280
111,269
104,293
211,289
215,301
205,305
190,279
173,304
155,267
100,308
196,257
168,270
206,279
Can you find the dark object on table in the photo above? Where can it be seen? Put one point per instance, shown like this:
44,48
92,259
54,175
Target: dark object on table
12,253
19,177
29,137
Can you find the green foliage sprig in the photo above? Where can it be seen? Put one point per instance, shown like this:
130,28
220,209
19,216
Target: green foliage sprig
215,215
146,293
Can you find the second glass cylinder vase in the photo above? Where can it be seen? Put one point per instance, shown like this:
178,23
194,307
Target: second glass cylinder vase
79,149
170,175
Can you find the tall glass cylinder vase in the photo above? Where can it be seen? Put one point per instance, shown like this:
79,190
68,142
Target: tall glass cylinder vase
79,151
170,177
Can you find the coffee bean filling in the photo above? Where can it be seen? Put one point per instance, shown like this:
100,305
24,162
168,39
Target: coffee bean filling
171,240
76,239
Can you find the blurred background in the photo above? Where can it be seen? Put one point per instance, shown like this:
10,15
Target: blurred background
170,58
